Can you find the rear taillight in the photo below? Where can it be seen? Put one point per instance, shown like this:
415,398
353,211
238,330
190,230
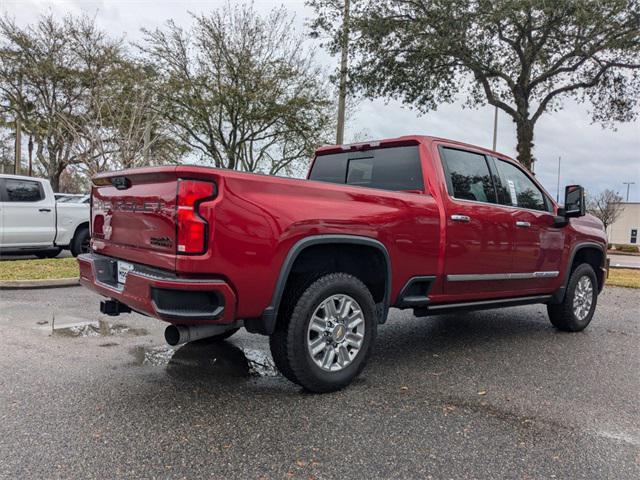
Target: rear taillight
192,228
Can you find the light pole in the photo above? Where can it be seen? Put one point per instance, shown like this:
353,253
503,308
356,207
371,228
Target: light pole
558,186
18,147
342,89
628,184
495,129
30,145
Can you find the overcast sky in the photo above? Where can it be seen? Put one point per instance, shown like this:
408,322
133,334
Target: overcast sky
594,157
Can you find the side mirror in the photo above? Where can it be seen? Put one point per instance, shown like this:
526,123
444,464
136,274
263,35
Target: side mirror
574,203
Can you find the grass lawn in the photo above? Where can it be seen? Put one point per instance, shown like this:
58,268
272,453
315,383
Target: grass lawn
68,268
39,269
624,277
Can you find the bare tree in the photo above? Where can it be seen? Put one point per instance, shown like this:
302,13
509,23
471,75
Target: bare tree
48,72
241,90
607,206
123,128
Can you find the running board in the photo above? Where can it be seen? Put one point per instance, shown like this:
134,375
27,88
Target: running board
480,305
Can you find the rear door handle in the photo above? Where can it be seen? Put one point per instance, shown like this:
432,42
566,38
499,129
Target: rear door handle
523,224
44,210
460,218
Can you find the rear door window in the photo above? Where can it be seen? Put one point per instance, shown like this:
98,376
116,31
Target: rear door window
468,176
517,189
396,168
22,190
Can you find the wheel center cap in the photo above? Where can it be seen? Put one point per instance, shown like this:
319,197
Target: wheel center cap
338,333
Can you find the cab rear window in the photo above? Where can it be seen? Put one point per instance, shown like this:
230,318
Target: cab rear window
396,168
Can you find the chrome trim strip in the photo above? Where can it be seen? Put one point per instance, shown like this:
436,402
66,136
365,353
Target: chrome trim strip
500,276
498,301
549,274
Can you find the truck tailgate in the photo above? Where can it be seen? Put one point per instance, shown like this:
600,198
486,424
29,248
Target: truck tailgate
134,214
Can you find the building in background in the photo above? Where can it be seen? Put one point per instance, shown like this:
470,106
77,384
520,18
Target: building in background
626,228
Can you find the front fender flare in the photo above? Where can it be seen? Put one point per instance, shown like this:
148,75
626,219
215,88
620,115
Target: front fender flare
558,295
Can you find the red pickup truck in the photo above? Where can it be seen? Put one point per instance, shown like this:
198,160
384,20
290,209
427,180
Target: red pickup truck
412,222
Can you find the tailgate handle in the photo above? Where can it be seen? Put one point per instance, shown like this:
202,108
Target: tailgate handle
121,183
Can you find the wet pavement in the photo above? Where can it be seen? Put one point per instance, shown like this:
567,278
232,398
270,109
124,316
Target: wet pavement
497,394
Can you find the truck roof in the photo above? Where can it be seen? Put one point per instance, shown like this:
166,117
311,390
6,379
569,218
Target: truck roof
22,177
403,140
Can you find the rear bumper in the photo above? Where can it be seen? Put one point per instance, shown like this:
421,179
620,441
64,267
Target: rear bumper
160,294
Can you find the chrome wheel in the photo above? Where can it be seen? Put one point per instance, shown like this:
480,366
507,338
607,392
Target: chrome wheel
583,298
336,332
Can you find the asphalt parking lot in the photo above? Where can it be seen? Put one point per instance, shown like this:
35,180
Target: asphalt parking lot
493,394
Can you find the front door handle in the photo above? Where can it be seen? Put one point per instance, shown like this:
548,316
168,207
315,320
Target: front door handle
523,224
460,218
44,210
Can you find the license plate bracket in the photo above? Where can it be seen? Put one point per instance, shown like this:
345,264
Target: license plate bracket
123,269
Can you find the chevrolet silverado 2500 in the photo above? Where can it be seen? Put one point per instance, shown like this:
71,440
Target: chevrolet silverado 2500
412,222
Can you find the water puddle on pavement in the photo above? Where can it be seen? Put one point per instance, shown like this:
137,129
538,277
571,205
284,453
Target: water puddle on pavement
260,363
101,328
159,356
207,358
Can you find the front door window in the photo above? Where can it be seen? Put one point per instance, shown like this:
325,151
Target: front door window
516,189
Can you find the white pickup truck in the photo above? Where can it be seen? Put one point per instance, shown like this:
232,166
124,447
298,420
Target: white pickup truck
32,222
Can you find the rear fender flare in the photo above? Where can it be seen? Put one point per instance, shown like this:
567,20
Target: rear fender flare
267,321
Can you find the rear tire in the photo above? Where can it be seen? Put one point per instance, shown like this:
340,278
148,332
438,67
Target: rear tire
579,304
80,242
335,317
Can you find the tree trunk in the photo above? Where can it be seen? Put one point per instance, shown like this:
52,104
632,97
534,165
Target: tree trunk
524,132
55,171
55,181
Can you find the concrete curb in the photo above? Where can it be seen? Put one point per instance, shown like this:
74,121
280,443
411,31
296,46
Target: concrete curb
51,283
622,254
631,267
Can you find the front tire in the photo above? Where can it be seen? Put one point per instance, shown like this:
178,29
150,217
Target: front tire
326,340
576,310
